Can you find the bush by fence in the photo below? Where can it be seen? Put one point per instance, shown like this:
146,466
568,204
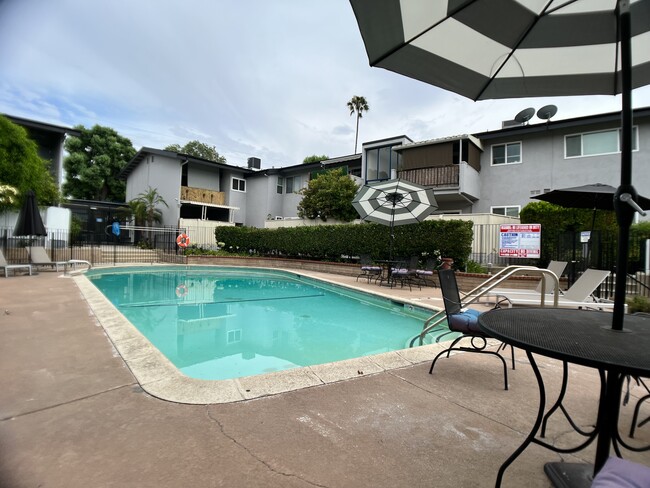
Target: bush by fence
452,238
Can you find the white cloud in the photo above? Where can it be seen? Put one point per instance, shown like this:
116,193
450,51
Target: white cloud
253,78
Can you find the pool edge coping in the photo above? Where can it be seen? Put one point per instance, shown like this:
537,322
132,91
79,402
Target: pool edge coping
161,379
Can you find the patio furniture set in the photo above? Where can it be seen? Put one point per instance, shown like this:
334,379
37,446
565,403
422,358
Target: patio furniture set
392,272
573,336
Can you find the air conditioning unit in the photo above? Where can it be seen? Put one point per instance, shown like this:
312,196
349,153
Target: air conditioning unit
510,123
278,217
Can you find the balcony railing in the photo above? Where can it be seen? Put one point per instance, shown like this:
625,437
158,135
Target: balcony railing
202,195
440,176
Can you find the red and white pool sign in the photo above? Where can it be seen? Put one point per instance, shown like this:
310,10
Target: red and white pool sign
520,240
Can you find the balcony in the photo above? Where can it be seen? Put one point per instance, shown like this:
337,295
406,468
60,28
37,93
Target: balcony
201,195
436,177
459,180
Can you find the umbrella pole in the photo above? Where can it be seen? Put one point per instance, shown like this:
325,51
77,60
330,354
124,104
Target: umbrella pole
624,212
392,234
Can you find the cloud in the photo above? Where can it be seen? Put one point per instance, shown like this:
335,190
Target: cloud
255,78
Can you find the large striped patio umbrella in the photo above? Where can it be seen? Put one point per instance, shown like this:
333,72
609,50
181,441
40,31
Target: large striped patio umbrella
394,202
487,49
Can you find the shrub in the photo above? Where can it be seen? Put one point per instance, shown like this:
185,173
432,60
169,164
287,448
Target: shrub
638,304
451,238
474,267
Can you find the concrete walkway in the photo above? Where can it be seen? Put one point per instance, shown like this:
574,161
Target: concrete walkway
73,415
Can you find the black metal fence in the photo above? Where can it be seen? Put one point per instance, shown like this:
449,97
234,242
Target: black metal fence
581,250
133,245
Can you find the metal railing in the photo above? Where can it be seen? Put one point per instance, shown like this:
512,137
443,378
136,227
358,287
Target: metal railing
486,287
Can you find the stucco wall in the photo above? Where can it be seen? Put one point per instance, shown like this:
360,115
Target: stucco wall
202,177
162,174
545,167
235,198
259,199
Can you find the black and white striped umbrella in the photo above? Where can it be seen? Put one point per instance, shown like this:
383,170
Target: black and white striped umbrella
394,202
487,49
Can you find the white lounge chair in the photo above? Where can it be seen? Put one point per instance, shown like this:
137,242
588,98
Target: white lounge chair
6,266
579,295
38,257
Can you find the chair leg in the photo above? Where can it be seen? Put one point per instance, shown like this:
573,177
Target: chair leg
635,417
472,349
504,346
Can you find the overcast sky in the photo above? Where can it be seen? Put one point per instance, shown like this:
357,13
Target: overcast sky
260,78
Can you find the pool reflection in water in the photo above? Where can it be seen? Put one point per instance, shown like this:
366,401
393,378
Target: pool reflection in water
221,323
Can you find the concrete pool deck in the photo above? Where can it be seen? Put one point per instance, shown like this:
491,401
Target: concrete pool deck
73,415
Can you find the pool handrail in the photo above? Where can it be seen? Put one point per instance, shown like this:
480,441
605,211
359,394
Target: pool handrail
484,288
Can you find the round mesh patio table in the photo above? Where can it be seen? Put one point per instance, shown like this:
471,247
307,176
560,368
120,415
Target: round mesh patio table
579,337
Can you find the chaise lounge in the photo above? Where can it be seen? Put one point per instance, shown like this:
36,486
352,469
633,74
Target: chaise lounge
6,266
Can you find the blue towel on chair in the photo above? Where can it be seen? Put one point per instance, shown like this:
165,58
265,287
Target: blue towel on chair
466,321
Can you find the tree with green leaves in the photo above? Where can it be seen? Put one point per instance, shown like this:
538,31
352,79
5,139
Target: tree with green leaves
149,201
329,196
22,169
199,150
144,210
357,105
557,220
8,197
95,160
315,158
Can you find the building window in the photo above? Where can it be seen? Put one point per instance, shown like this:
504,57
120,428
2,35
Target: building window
238,184
184,174
280,185
508,211
380,161
596,143
506,153
289,181
233,336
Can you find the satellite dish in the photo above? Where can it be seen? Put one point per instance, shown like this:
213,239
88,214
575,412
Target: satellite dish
547,112
525,115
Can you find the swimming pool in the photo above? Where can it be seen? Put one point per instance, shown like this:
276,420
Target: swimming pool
218,323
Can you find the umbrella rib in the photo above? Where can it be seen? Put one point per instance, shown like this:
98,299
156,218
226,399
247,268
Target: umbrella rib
449,15
514,48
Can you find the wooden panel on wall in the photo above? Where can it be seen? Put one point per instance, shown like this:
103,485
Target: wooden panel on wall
202,195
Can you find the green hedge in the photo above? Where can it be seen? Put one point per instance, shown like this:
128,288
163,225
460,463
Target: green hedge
453,238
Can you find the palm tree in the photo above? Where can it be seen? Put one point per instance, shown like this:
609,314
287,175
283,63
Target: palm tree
150,200
144,210
359,105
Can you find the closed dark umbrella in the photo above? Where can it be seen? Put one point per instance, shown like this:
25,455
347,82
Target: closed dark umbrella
29,220
488,49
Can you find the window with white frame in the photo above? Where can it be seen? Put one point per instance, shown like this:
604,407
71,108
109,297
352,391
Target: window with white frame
509,153
289,184
596,143
507,210
238,184
280,185
233,336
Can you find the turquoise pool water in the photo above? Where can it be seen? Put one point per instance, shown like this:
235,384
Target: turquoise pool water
221,323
